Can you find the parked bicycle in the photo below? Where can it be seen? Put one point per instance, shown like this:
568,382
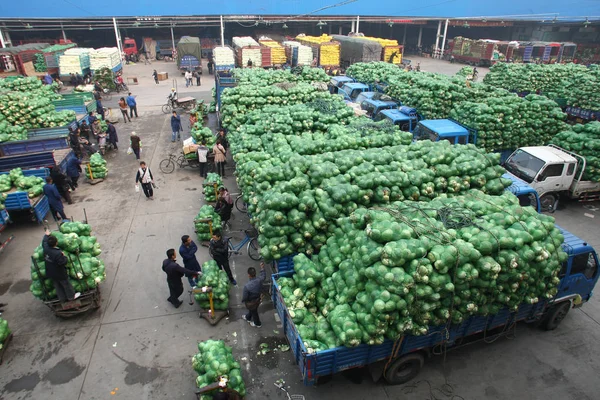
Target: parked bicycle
240,204
251,243
167,165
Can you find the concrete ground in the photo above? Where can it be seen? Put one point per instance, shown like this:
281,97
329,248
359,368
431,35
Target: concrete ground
137,346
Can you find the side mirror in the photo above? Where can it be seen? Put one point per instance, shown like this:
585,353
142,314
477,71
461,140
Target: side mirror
541,178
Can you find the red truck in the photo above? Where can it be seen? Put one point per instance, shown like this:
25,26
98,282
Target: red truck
473,52
130,49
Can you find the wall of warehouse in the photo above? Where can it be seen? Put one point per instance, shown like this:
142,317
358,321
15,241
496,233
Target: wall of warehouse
424,8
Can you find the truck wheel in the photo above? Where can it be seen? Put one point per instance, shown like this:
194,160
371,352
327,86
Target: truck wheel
404,369
556,314
549,202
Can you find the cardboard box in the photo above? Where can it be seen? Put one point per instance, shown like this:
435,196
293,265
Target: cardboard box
190,148
163,76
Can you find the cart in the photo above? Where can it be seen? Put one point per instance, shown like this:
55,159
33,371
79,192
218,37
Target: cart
184,103
221,385
211,315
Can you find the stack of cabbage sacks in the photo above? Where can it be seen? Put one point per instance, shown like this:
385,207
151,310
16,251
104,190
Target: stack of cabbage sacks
200,133
201,227
402,269
209,188
97,166
213,361
585,141
85,270
33,185
216,278
4,332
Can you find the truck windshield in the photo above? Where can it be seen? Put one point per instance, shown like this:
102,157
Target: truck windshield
354,94
368,107
524,165
361,97
423,133
381,117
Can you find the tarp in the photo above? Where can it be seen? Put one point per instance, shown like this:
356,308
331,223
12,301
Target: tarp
356,49
23,47
188,45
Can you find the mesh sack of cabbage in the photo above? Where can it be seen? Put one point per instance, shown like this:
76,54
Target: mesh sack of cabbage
585,141
216,278
84,268
213,361
385,272
4,332
202,133
201,224
294,199
97,166
33,185
209,188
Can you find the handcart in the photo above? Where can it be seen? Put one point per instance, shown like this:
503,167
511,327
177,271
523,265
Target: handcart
211,315
221,385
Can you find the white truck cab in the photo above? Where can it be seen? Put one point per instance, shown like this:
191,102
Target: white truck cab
552,171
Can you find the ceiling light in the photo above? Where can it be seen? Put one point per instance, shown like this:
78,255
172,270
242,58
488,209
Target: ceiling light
587,22
28,26
156,25
484,20
321,23
90,28
284,26
136,23
466,25
391,23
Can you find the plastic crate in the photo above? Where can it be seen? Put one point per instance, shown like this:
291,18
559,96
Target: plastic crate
285,264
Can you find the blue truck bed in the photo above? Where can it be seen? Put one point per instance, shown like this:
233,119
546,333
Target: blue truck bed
45,159
223,80
327,362
17,201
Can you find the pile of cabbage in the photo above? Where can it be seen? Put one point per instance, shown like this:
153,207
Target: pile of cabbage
511,122
373,72
33,185
577,84
208,189
585,141
9,132
215,278
4,332
413,267
86,271
271,76
200,133
215,360
97,166
294,199
238,101
202,228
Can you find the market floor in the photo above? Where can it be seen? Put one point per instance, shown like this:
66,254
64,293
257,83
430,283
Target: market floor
137,346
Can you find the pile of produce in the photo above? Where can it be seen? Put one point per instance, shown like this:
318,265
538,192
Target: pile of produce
33,185
32,110
574,83
464,72
97,166
409,266
585,141
265,77
213,361
209,188
215,278
304,53
277,51
200,133
435,95
4,332
9,132
223,56
373,72
238,101
29,84
201,227
511,122
40,63
327,49
85,270
105,77
294,199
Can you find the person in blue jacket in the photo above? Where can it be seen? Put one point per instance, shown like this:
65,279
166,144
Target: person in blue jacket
73,171
176,126
56,206
188,250
99,107
132,106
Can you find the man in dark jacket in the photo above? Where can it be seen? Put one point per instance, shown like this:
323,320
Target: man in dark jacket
56,269
251,295
188,250
219,250
61,182
174,274
176,126
112,135
56,206
73,171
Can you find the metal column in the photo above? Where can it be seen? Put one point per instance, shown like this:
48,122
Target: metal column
437,39
357,23
352,29
2,42
340,30
222,33
63,32
404,37
420,35
172,38
444,40
117,36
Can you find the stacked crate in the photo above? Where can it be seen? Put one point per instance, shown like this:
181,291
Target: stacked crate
325,49
105,57
223,58
246,49
297,53
277,51
75,61
392,51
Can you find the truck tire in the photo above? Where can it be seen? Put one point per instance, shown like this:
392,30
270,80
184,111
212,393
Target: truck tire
549,202
555,315
404,369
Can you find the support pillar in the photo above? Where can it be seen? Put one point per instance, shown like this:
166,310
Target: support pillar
404,37
352,29
222,33
420,36
117,36
357,23
444,39
340,30
437,40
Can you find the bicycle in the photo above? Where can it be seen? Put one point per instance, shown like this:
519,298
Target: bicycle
251,243
167,165
240,204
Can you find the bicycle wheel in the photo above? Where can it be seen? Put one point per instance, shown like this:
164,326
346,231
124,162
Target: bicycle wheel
167,165
166,109
241,205
254,250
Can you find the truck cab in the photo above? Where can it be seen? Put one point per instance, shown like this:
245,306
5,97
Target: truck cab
130,48
351,90
579,274
405,117
524,192
551,171
365,96
336,82
443,129
374,107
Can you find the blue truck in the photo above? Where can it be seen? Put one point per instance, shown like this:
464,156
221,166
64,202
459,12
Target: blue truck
20,201
374,106
405,117
336,82
351,90
400,361
444,129
223,80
